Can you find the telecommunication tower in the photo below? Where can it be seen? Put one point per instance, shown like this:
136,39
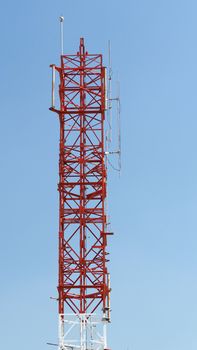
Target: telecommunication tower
84,281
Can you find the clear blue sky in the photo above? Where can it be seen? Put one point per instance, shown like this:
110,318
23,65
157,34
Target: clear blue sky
153,206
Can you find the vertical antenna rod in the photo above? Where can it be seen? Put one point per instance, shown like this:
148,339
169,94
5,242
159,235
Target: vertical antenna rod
109,92
53,87
119,126
62,34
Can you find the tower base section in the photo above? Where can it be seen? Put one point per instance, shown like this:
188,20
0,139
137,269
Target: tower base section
82,331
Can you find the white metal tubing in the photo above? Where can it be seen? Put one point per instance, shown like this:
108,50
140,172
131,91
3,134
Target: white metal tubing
105,335
61,332
82,331
53,87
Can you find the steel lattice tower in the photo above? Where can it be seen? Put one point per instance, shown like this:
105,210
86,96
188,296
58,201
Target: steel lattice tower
84,287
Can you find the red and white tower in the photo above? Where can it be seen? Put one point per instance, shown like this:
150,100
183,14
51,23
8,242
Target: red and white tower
84,284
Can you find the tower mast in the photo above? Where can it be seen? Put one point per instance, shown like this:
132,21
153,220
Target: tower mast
83,286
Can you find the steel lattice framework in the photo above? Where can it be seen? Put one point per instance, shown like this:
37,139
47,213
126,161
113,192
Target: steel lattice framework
83,276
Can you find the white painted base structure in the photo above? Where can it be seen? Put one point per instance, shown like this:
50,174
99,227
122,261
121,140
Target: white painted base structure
82,331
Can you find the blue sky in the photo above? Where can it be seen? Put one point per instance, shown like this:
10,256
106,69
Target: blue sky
153,206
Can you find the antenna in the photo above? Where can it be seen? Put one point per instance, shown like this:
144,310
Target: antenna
62,34
109,93
53,87
119,125
109,105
